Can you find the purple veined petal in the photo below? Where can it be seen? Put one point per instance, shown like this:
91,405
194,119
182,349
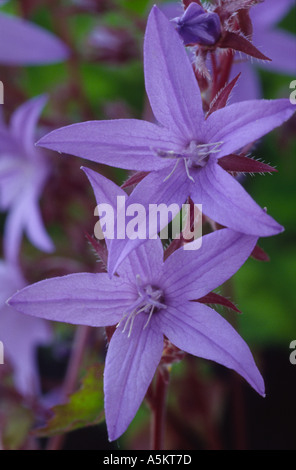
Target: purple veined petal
129,369
242,123
24,121
124,143
199,330
170,82
24,43
151,191
248,86
79,299
270,12
147,259
35,229
226,201
193,274
280,46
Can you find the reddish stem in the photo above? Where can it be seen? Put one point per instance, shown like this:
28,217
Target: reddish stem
158,412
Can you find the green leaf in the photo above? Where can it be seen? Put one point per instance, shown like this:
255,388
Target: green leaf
84,408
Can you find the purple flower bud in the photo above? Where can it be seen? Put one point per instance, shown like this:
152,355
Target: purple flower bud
196,26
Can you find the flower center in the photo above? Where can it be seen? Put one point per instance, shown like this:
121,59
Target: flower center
150,300
194,156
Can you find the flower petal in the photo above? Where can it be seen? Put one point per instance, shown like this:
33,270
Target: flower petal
199,330
123,143
170,82
80,299
24,121
225,201
242,123
35,229
281,46
269,12
151,192
24,43
193,274
130,367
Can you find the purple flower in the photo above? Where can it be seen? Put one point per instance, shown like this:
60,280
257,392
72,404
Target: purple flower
182,152
195,26
149,299
23,173
20,335
24,43
274,42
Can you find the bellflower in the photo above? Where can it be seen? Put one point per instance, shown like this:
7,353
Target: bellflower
149,299
183,150
24,43
23,173
274,42
195,26
20,335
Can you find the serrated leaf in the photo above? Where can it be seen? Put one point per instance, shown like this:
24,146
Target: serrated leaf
84,408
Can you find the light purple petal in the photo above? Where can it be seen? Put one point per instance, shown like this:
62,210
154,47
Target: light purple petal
199,330
270,12
241,123
13,230
248,86
24,121
80,299
130,367
193,274
123,143
24,43
35,229
172,9
152,190
170,82
225,201
280,46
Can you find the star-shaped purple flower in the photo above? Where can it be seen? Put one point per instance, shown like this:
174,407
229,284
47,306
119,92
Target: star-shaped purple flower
24,170
20,335
183,150
24,43
149,299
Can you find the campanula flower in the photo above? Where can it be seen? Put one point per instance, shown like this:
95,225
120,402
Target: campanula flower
195,26
182,151
23,174
149,299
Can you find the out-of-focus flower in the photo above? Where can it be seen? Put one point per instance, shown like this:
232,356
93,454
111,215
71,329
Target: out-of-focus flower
24,43
184,153
149,299
196,26
274,42
23,173
113,45
20,335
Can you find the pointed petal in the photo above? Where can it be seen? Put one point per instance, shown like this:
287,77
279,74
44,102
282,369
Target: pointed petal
170,81
35,229
225,201
25,43
152,191
80,299
241,123
123,143
24,121
281,46
193,274
130,367
145,260
199,330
